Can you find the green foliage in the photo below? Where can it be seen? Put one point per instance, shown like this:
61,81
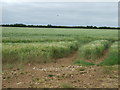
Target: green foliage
83,63
50,75
37,52
93,50
113,57
35,39
27,35
22,44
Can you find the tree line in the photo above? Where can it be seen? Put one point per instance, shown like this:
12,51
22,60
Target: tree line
52,26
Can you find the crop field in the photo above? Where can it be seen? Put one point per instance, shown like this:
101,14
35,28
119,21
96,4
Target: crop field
37,52
47,57
94,49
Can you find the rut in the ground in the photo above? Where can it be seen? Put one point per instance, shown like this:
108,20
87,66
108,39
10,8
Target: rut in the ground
99,60
67,60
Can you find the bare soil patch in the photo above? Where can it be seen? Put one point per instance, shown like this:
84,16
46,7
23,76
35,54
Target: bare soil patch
59,74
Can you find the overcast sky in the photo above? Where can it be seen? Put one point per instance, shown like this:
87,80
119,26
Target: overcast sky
59,13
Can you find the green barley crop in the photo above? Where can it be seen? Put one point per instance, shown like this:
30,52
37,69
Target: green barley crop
112,58
93,50
46,44
35,33
35,39
36,52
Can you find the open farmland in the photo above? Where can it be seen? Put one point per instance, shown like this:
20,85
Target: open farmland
37,52
59,58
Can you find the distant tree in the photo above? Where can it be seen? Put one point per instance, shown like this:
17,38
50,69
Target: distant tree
51,26
19,25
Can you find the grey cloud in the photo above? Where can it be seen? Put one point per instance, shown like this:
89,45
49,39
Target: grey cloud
100,14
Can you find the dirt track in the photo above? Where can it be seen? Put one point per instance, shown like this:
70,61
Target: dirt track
97,61
61,74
